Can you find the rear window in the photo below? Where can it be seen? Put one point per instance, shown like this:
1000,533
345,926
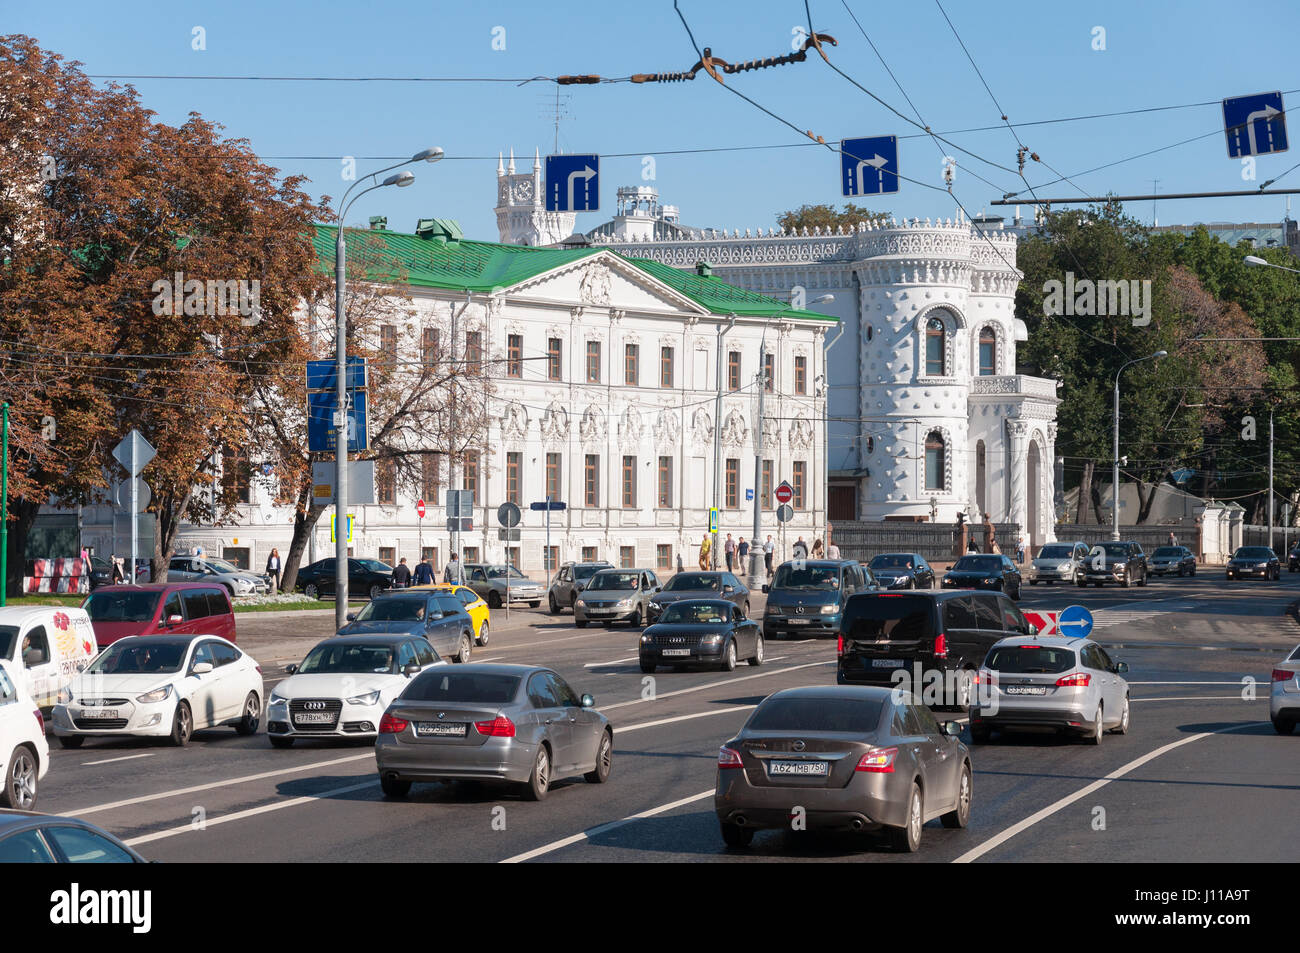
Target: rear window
816,714
122,606
889,617
1031,659
471,687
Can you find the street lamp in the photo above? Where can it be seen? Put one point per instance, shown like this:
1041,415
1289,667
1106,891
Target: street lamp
1256,262
401,180
1114,483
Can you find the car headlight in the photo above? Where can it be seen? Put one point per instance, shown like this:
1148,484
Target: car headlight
1262,566
625,603
990,580
581,602
711,640
829,610
647,639
655,605
278,699
771,610
155,696
369,698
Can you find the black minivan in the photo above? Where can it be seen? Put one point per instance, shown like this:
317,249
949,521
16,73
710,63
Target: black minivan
947,632
807,596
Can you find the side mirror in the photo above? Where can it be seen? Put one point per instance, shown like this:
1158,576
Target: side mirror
411,669
291,668
952,728
1121,668
174,619
728,588
766,587
351,617
201,668
1033,629
588,701
435,616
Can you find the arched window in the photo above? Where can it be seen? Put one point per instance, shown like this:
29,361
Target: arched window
934,451
988,352
934,356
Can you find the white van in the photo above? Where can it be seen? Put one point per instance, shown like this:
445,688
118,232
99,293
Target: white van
49,645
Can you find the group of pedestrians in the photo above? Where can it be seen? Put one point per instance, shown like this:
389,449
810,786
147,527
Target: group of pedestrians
737,551
426,574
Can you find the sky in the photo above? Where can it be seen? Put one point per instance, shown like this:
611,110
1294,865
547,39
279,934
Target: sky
1041,61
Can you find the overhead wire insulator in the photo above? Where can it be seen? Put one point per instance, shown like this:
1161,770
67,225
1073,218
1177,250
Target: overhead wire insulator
577,80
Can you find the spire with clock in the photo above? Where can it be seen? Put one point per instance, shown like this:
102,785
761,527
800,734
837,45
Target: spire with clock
522,218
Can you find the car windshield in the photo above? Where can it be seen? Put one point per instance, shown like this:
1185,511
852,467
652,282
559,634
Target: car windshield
1167,551
905,618
8,638
684,581
978,564
1110,549
500,572
136,656
695,613
374,565
347,658
892,562
1056,552
586,572
613,580
220,565
440,685
122,606
791,576
1253,552
392,610
1031,659
857,715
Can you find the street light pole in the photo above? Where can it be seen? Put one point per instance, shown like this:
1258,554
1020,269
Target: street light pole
756,543
717,443
1270,477
1114,483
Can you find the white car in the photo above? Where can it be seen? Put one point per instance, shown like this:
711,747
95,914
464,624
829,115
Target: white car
344,685
24,753
1284,703
162,686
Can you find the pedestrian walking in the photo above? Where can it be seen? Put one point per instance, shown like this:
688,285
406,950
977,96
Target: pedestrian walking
1020,550
1173,540
742,553
401,575
453,574
995,548
680,565
833,551
273,567
424,574
729,550
118,575
769,548
706,546
972,546
800,549
818,550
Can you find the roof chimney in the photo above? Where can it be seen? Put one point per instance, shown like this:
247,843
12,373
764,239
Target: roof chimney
379,223
703,269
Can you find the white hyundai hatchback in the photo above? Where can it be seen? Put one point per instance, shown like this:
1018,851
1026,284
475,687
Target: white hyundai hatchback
1284,703
24,753
162,686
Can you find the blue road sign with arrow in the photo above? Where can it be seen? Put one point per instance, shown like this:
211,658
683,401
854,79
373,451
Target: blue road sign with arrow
1255,125
1183,475
869,166
323,375
1074,622
572,183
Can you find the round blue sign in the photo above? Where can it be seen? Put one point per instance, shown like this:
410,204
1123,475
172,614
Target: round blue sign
1074,622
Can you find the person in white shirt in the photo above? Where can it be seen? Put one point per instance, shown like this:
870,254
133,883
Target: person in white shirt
832,551
769,548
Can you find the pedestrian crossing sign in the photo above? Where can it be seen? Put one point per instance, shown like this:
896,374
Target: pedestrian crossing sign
333,523
713,519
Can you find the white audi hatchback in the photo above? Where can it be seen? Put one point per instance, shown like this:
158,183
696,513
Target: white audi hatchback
24,754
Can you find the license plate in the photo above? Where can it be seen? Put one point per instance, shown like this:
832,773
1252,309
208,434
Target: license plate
99,713
313,718
799,621
888,662
441,729
1025,690
799,768
676,652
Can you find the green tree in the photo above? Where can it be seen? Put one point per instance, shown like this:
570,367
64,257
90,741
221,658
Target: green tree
825,217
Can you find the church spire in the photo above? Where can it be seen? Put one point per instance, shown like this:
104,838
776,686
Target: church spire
511,167
537,160
501,167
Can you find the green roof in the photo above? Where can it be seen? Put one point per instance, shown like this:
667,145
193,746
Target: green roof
485,266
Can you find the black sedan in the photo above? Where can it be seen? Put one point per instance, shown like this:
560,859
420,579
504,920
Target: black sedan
30,838
1293,559
984,572
1171,560
366,577
1254,561
701,632
853,758
902,571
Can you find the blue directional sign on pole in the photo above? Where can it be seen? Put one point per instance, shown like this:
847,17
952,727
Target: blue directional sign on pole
1183,475
869,166
322,431
544,505
1255,125
572,183
1074,622
322,375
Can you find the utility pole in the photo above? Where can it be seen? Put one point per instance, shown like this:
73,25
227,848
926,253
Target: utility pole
756,543
1270,477
717,443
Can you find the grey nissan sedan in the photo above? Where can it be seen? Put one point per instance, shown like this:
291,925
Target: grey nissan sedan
490,722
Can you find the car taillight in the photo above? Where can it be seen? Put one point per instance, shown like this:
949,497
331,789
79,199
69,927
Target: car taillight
839,644
40,722
941,646
388,725
729,758
1282,675
498,727
878,761
1076,680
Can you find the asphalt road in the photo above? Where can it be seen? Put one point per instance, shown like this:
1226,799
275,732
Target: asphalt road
1200,777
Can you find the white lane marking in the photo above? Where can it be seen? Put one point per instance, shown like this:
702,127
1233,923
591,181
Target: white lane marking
700,688
669,721
112,805
251,812
1000,839
129,757
617,661
577,838
490,658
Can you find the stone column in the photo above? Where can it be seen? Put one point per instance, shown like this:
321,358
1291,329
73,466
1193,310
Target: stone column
1017,437
1049,485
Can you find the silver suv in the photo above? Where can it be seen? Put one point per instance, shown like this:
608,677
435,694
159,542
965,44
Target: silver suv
569,581
616,595
498,584
1070,685
1058,562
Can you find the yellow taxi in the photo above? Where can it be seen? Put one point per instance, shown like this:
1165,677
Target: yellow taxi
476,607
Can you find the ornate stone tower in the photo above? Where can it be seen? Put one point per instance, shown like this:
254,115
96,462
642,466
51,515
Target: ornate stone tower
522,218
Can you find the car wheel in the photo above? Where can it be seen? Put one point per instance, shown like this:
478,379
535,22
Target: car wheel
757,659
636,619
393,787
71,741
375,590
20,780
1080,581
278,742
580,623
908,837
463,655
1192,571
965,689
911,584
959,816
310,591
736,836
494,600
182,725
252,715
484,633
1122,727
1143,580
604,760
539,782
552,605
1016,597
1128,581
1095,737
1283,726
729,657
648,667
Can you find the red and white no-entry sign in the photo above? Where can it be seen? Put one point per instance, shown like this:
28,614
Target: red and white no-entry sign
784,493
419,508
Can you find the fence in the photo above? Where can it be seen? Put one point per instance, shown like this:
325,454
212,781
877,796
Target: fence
935,541
1149,536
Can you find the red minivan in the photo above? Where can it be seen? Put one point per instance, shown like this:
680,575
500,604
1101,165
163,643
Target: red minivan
160,608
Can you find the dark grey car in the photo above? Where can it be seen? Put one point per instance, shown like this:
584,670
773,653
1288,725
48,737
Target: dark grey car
490,722
30,838
436,615
699,585
849,758
569,581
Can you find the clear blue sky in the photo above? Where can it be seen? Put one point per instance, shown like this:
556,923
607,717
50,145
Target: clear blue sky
1037,58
